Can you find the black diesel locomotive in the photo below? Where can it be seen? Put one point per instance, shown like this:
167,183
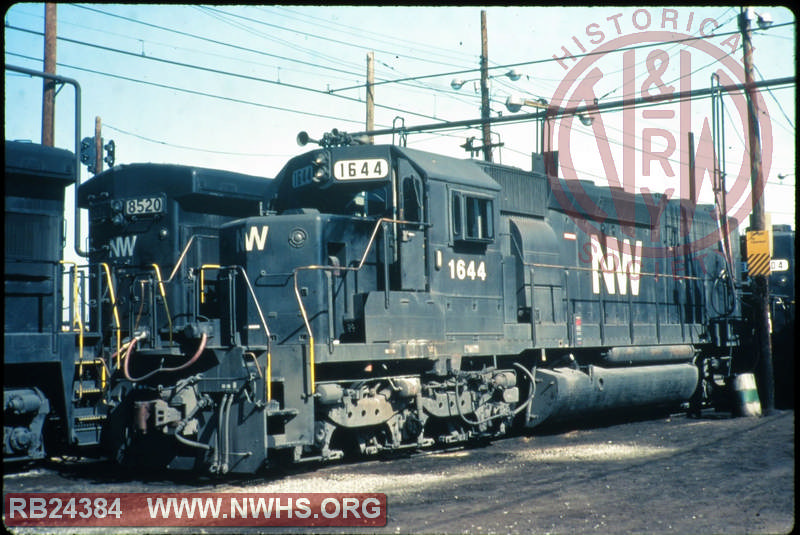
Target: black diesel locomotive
369,298
39,358
380,298
59,370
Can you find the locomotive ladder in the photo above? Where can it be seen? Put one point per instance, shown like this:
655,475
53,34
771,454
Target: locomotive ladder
87,387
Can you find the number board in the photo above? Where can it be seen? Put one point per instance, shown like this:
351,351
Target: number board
364,169
302,177
145,206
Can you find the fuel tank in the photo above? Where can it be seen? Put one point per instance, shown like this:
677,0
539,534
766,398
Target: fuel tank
563,393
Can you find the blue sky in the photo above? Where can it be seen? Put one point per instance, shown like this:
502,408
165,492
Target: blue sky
230,86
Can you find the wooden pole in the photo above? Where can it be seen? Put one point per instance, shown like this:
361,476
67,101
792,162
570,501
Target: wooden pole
98,146
487,129
371,94
49,86
765,378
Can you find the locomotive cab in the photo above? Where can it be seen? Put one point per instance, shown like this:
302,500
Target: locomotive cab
347,226
350,227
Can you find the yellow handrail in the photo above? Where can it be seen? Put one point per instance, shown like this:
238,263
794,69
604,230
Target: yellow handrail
113,296
77,320
203,279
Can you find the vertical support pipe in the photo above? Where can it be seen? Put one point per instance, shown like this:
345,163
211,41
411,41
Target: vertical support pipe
385,265
533,309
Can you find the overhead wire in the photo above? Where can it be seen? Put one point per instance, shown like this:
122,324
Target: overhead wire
185,147
219,72
389,39
575,56
414,79
307,34
316,54
191,91
213,41
769,90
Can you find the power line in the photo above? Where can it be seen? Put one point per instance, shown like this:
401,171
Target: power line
316,54
185,147
213,41
775,99
547,60
190,91
307,34
218,71
674,45
392,40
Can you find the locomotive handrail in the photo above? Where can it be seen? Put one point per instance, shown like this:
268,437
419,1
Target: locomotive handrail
378,225
579,268
77,319
163,293
268,335
114,309
183,254
203,279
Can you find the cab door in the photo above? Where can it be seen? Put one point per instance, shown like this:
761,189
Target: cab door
411,236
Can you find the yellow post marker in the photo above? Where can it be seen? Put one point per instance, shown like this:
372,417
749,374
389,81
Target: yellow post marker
758,257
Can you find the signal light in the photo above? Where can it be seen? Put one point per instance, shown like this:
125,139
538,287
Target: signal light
110,149
321,168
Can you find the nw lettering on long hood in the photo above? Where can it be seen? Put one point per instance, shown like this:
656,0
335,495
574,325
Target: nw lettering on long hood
122,246
617,265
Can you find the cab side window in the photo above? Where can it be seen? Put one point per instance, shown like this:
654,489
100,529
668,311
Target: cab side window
472,218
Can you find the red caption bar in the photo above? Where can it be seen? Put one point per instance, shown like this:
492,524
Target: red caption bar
194,509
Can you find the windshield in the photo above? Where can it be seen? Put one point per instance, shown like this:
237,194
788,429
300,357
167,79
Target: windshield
344,199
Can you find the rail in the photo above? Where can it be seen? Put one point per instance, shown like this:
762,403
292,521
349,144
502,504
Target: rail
185,250
163,292
162,283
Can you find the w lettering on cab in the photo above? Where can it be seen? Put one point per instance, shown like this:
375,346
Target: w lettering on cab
254,238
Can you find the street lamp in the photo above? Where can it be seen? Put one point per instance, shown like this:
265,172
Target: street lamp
458,83
515,103
764,20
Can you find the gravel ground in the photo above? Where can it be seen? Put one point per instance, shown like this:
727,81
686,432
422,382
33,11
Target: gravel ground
668,475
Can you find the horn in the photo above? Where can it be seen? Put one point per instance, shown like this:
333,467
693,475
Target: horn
303,139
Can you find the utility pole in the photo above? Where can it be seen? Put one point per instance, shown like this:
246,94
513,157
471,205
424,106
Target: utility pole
49,86
371,94
487,129
764,370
